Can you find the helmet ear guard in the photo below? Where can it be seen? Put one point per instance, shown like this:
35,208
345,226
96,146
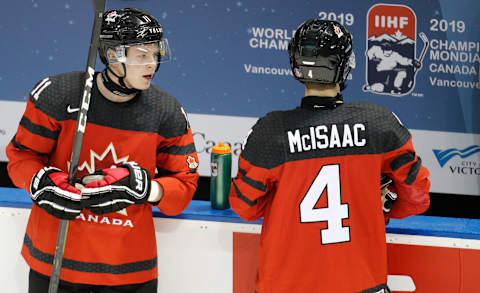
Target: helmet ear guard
321,52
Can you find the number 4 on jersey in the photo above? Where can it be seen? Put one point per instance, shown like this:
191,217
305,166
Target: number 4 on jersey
310,74
334,213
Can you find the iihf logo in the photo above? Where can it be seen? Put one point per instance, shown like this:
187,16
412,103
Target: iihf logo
391,46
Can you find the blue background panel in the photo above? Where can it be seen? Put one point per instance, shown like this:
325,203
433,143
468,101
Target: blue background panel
217,44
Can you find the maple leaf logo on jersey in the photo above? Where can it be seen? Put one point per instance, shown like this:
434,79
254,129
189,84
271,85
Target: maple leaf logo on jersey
108,156
192,163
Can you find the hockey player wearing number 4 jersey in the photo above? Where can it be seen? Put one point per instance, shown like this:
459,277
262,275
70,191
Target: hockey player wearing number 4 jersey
313,174
137,152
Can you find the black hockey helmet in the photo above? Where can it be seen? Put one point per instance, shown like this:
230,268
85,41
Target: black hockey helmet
130,26
321,52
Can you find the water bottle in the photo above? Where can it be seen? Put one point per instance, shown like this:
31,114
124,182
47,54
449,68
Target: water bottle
221,167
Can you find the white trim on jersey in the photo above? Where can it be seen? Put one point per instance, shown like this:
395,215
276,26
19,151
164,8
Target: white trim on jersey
40,87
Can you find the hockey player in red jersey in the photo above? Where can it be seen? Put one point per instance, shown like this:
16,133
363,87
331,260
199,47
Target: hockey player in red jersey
137,152
313,174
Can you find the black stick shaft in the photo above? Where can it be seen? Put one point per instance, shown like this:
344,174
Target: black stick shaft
99,7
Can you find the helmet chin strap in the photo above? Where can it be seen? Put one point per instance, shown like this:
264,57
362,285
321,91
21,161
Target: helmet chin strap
120,90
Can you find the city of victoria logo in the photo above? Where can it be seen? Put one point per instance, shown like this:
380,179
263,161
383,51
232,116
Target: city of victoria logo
443,156
391,66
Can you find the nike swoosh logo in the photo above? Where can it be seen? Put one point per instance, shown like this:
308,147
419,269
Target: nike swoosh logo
72,110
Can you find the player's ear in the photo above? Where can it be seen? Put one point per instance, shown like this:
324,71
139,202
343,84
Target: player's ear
114,65
111,54
116,68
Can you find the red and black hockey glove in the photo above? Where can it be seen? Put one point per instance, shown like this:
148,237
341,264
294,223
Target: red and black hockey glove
388,196
50,191
111,190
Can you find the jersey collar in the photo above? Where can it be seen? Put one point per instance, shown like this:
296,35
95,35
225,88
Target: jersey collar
316,102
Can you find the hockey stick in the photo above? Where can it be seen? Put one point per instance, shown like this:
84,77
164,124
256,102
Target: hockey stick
426,44
99,7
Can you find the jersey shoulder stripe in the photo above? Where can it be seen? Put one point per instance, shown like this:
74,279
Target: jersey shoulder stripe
38,129
20,146
38,89
177,150
242,197
402,160
413,172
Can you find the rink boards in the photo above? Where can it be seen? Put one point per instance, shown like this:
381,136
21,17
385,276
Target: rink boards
205,250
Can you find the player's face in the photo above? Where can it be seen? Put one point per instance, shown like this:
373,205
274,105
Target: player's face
142,60
387,53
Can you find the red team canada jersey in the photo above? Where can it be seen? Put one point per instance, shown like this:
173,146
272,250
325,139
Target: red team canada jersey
313,173
151,129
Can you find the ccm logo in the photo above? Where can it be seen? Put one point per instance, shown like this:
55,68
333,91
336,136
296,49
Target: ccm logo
82,123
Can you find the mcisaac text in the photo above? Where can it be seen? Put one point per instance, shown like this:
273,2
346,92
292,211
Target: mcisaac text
327,137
